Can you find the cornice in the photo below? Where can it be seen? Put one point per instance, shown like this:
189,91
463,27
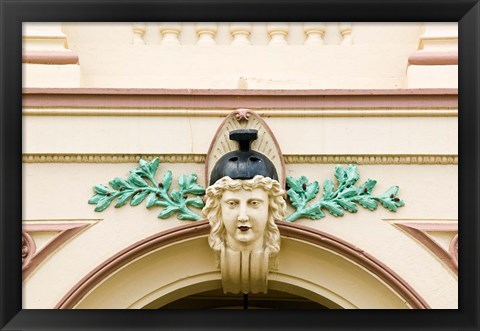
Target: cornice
188,102
338,112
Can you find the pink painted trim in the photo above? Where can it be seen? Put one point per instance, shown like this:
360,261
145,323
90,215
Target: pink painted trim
50,227
201,228
208,168
357,255
433,58
127,255
419,232
66,232
59,58
431,226
235,99
31,248
453,249
239,92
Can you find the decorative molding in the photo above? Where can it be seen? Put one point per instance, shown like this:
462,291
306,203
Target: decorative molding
357,255
453,249
364,159
433,58
134,251
202,228
66,231
58,58
28,248
419,231
112,158
188,102
222,113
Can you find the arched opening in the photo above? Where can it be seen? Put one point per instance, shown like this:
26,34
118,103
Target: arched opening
179,265
216,299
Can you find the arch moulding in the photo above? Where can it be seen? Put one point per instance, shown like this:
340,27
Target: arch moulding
354,256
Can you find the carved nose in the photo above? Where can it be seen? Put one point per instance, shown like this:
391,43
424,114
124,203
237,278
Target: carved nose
242,216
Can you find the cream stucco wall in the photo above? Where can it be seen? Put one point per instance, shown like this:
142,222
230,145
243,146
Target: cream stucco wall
415,148
427,198
150,135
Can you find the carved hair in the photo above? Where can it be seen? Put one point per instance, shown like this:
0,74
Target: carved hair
276,211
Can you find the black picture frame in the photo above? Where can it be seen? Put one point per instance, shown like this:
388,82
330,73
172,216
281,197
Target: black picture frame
14,12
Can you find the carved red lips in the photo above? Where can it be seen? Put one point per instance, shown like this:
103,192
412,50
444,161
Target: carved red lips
244,228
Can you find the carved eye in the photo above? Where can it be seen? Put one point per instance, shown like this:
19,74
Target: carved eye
255,203
231,204
254,159
233,159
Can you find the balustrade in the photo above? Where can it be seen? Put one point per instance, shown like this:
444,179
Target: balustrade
314,33
278,33
138,32
346,32
206,34
245,33
240,33
170,33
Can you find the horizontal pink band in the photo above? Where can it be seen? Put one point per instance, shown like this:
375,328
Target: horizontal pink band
433,58
234,99
68,57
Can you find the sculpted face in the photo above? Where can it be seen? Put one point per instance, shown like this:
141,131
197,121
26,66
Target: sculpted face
245,215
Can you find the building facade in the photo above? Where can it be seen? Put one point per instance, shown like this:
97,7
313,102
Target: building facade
378,101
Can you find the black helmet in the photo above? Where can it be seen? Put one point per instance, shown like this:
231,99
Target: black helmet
244,163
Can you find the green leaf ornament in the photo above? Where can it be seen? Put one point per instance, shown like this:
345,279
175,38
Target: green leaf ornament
141,185
337,200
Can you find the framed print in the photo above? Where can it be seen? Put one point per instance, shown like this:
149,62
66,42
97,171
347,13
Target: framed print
165,165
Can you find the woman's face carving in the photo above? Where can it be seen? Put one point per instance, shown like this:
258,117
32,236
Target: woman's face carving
245,215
